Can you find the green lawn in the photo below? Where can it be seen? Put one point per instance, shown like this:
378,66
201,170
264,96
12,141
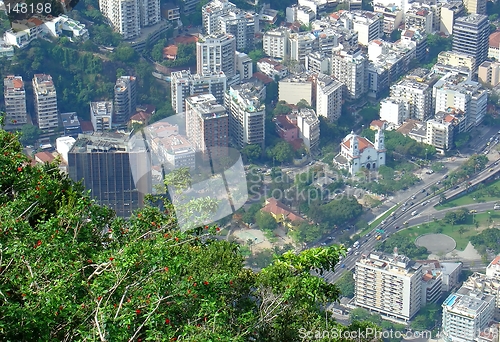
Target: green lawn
461,239
490,192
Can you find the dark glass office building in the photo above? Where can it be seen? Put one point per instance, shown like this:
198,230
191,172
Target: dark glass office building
109,165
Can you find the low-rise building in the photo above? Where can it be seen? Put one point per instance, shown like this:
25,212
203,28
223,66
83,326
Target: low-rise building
394,110
101,115
71,124
489,73
169,145
281,213
272,68
494,45
294,88
465,314
358,153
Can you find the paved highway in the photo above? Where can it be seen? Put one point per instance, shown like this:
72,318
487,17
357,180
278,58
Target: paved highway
425,212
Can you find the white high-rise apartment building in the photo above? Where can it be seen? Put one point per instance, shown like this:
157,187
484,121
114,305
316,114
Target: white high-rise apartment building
184,84
418,95
300,45
394,110
150,12
216,53
212,12
457,91
349,68
125,99
475,6
45,101
466,314
247,113
275,43
328,97
222,16
128,16
308,124
15,100
369,25
388,284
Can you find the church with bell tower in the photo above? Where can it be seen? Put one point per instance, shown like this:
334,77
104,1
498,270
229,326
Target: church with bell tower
358,153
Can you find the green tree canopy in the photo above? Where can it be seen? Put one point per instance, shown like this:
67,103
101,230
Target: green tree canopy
70,270
29,134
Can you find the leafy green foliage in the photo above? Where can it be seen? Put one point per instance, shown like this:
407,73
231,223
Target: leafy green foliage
346,285
251,153
186,56
29,134
405,245
265,221
427,317
282,152
489,238
364,315
456,217
70,270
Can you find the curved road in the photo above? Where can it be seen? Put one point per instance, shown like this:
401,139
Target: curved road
424,206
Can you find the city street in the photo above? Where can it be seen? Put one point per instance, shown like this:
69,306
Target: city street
425,214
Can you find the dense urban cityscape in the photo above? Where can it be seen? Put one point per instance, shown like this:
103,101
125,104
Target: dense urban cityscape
195,170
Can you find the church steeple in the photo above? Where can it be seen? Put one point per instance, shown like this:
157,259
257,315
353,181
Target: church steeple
379,140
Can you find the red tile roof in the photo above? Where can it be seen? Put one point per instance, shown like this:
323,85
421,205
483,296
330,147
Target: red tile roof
185,40
362,143
495,39
140,116
86,126
275,207
262,77
44,157
170,52
378,123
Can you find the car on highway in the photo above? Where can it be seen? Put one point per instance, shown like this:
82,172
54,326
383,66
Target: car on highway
379,237
496,207
397,227
473,211
491,170
343,266
323,244
414,213
413,197
405,222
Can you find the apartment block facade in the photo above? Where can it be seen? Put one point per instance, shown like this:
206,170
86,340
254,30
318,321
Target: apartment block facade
184,84
389,285
15,100
45,100
470,36
207,126
125,99
216,53
328,97
247,113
